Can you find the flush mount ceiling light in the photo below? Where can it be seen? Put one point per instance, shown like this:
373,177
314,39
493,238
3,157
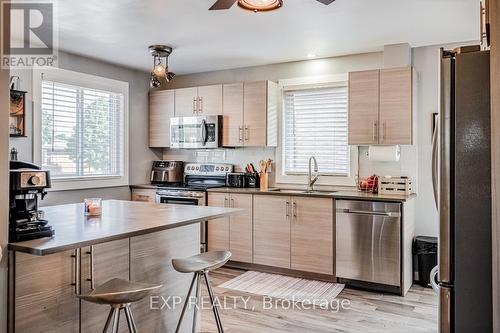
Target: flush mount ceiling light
160,73
260,5
255,5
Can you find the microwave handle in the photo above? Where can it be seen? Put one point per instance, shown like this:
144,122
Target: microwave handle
204,134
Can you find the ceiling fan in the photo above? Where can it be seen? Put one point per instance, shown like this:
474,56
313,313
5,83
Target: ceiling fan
255,5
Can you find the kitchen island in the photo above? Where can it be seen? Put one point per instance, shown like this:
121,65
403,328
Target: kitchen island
130,240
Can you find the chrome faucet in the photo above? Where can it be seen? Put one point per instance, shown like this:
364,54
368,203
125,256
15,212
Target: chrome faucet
310,179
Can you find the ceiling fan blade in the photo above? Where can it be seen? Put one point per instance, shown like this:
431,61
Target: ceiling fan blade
222,4
326,2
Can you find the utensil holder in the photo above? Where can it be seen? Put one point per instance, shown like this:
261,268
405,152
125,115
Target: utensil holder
264,181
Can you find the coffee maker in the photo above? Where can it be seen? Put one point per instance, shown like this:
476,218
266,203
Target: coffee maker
28,182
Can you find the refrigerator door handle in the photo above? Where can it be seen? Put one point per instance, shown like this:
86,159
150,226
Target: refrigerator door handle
435,160
444,144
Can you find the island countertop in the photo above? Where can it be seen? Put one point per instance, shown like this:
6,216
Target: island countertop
119,219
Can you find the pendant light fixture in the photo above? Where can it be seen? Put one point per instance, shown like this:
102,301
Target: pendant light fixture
260,5
160,74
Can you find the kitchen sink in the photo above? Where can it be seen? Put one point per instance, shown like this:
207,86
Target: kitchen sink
303,191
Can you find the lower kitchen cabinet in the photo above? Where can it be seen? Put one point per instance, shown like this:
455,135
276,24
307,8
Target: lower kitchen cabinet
312,235
271,230
218,229
232,233
240,228
99,264
44,295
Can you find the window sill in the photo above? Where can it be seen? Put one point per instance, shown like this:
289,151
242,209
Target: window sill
322,180
82,183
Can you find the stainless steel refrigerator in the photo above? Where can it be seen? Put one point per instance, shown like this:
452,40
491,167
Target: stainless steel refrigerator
462,182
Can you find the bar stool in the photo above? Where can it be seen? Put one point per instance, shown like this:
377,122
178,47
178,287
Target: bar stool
200,265
119,294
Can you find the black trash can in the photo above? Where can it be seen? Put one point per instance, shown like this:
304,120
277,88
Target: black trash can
425,248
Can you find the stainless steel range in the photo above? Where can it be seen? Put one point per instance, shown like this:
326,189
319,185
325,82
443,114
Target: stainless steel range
198,177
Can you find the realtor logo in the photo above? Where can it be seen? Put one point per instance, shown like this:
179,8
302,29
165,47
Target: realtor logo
31,37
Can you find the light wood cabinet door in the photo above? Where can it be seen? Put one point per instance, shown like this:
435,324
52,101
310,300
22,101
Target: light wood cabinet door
396,114
210,100
241,228
255,113
186,102
101,263
364,107
218,229
312,231
145,195
45,299
233,115
150,262
271,230
161,109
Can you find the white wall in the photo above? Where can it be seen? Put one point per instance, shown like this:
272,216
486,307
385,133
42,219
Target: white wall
140,155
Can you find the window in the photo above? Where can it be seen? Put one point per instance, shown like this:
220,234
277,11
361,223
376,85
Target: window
314,122
82,129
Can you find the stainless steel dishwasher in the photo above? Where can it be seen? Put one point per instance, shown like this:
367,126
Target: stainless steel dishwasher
369,241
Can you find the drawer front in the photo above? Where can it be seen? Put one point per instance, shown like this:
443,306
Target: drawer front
144,195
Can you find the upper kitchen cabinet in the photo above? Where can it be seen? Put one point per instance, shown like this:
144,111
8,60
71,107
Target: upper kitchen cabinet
363,107
161,109
233,115
250,114
381,107
186,102
198,101
396,101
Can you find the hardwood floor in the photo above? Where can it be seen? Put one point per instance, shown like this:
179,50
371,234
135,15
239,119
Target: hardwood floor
368,312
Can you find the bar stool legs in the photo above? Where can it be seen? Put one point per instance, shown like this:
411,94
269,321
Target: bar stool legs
212,300
114,316
197,278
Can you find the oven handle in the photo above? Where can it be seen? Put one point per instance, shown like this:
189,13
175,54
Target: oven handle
159,197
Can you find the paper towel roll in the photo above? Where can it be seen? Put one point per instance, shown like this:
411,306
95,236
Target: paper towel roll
384,153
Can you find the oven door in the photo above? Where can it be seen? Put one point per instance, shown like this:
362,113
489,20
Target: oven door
195,132
178,199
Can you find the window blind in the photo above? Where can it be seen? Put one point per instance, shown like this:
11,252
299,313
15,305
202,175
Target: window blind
82,131
316,125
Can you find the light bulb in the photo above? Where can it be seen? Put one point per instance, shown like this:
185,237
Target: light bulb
159,70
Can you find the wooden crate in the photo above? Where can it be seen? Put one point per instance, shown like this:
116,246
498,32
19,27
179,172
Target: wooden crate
395,185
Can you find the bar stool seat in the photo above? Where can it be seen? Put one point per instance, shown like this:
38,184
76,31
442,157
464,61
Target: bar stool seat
119,294
207,261
200,265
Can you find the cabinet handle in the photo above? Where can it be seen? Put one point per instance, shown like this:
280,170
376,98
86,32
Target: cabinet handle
225,202
91,264
200,105
240,133
247,134
232,203
194,105
287,209
375,131
76,257
294,209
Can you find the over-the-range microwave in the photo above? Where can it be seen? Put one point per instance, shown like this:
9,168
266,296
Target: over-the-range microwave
196,132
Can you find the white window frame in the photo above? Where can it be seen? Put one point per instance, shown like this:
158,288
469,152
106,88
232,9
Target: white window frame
325,179
89,81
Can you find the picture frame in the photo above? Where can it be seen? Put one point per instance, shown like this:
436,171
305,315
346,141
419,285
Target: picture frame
17,113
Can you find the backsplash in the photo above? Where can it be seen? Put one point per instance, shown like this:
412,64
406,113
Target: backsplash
407,165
